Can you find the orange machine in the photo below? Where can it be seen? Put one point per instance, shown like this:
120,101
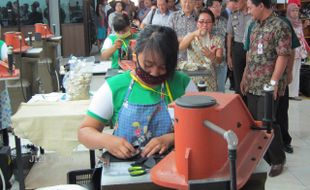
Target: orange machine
17,41
4,71
202,155
44,30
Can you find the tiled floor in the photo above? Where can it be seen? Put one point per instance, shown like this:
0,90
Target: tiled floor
296,175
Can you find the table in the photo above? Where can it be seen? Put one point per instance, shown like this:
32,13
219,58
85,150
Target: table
101,67
116,176
49,121
51,125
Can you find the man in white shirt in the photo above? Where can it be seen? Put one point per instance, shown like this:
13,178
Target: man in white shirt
158,16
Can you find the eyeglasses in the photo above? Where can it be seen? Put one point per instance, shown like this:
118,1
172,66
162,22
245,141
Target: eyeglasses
204,21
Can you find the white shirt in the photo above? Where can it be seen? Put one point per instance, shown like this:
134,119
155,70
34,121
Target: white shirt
4,51
104,97
107,44
158,19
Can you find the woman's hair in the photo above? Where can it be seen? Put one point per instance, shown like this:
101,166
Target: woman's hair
207,11
210,2
120,22
113,5
159,42
100,2
296,22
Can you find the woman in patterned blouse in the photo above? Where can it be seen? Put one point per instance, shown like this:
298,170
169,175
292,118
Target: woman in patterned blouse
204,50
300,52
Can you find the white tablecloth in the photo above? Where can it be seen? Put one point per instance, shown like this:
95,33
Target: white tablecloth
51,125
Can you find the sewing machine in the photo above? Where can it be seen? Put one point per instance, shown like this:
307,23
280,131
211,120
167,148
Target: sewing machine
201,159
7,69
45,38
36,56
46,33
6,73
44,30
17,41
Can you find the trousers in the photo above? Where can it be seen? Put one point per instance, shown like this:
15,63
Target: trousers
275,154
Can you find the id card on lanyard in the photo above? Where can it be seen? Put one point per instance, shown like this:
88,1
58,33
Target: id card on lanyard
260,46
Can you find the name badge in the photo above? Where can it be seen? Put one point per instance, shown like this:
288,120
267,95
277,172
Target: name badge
260,49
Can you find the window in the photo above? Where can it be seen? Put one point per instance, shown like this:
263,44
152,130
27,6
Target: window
73,9
31,12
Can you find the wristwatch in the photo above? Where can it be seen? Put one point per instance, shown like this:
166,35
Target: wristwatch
273,82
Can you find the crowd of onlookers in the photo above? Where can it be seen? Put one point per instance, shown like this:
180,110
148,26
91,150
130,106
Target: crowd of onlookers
106,11
230,29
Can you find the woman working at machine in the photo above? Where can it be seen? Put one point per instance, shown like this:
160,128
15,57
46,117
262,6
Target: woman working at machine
136,102
116,44
5,107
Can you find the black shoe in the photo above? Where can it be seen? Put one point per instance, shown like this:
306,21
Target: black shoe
276,170
295,98
288,148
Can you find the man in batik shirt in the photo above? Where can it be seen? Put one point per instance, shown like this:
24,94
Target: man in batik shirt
270,48
183,22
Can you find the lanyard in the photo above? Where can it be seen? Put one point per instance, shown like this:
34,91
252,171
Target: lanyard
151,89
123,42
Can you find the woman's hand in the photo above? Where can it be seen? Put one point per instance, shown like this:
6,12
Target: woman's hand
158,144
306,23
107,53
209,53
199,32
120,147
229,63
118,43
